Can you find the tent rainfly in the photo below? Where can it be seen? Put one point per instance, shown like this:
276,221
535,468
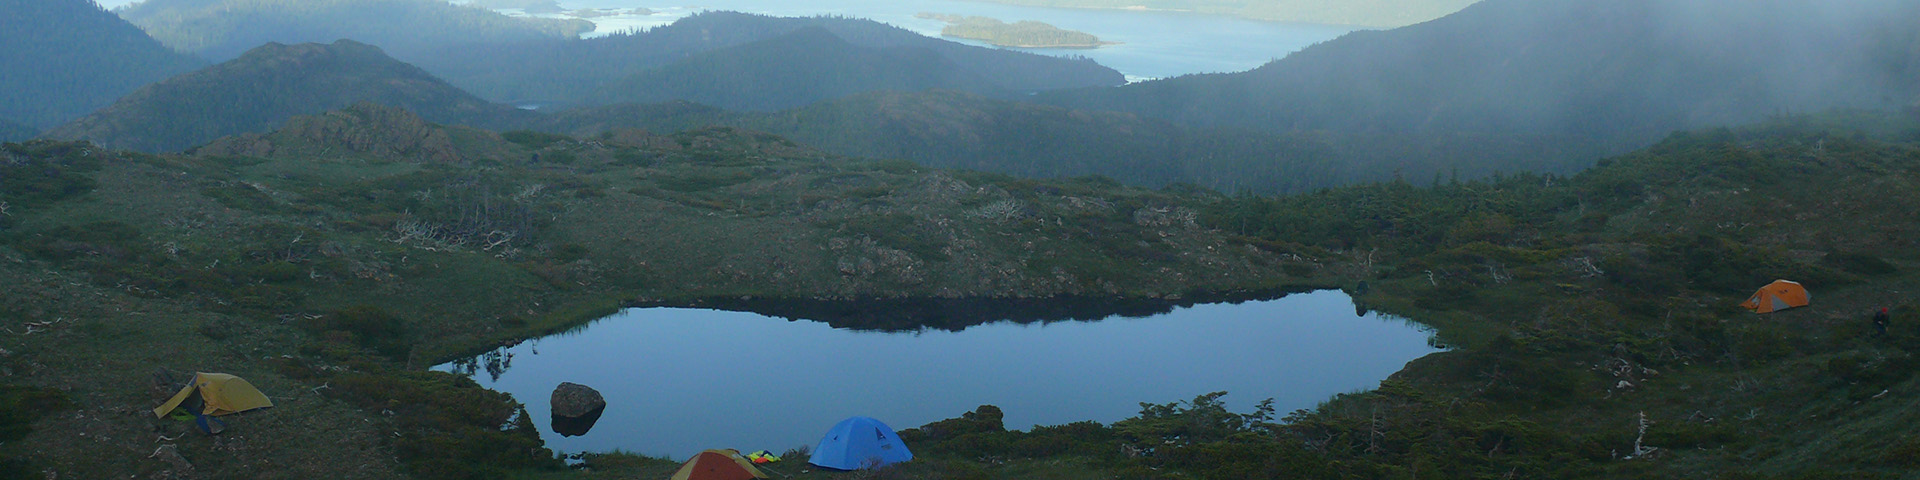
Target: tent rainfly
222,394
717,465
1779,295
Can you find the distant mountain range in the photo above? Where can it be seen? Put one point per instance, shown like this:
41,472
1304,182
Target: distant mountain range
1506,85
561,72
1621,73
259,90
60,59
223,29
1370,13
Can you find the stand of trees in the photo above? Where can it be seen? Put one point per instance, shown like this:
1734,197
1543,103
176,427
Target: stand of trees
60,59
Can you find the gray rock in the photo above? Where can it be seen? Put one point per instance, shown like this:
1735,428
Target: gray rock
573,400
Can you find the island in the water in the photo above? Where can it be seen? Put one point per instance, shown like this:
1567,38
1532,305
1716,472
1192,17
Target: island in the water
1022,34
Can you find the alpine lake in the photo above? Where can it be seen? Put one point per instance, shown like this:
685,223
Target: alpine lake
680,380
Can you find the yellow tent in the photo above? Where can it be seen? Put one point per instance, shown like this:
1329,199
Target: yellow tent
223,394
1779,295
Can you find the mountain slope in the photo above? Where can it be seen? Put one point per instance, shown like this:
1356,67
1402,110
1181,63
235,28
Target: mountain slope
793,70
223,29
1372,13
10,131
259,90
952,129
565,71
60,59
1621,73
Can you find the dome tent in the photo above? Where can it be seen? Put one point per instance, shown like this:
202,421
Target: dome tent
1779,295
222,394
859,442
717,465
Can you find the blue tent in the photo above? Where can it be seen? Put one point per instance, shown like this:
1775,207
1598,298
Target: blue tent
859,442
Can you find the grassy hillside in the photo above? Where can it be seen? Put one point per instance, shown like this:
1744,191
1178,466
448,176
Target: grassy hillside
960,130
223,29
565,72
1370,13
60,59
1590,318
328,262
259,90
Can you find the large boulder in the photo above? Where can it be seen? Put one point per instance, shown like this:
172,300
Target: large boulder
573,400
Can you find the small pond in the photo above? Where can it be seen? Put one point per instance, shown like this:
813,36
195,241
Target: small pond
680,380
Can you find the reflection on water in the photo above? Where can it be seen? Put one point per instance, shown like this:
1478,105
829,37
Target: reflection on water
576,426
680,380
495,363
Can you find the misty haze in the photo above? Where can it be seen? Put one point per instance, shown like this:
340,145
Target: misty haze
959,239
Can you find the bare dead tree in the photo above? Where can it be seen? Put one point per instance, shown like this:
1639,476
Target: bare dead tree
1584,265
1640,449
1374,432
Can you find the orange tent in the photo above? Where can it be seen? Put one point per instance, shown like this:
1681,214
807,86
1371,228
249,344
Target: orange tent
717,465
1779,295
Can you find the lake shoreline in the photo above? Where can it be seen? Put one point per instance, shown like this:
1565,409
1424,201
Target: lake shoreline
641,350
834,310
1077,46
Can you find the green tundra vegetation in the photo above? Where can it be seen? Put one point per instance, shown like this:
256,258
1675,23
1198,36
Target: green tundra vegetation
954,129
1022,34
1590,318
331,261
1369,13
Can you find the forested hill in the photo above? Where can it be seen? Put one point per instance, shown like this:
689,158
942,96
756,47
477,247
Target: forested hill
223,29
794,70
259,90
1619,72
60,59
562,71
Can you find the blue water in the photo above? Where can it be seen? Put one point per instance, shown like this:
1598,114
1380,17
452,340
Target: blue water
681,380
1153,44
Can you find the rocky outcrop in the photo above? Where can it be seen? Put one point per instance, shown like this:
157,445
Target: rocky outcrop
573,400
365,128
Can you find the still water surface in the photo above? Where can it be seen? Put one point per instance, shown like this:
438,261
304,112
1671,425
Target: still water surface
1154,44
681,380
